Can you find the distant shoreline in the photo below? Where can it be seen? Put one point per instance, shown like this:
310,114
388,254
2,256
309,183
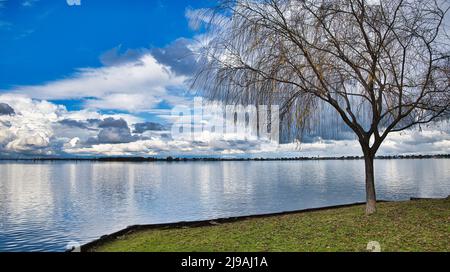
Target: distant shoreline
181,159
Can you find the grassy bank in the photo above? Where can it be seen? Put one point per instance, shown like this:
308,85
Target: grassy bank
404,226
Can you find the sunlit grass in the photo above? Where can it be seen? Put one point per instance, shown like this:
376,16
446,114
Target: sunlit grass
403,226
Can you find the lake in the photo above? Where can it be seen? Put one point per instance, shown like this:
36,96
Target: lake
45,205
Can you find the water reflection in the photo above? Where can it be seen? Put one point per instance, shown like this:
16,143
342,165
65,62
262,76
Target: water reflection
45,205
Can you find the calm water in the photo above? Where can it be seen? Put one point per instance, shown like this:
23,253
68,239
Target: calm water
44,206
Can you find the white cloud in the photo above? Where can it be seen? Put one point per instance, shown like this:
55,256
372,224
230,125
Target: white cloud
34,128
136,83
120,101
203,16
140,85
195,18
29,130
429,141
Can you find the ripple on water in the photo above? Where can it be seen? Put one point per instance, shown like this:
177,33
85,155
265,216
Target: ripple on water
43,206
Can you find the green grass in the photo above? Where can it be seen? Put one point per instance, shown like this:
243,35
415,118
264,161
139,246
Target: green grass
403,226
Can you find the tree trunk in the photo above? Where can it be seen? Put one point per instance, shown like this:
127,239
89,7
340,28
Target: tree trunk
371,197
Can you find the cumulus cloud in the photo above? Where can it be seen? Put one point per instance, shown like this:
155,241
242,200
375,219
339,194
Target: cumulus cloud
429,141
113,123
29,130
75,124
131,86
180,55
150,81
6,109
113,131
115,56
39,127
166,147
124,102
115,135
148,126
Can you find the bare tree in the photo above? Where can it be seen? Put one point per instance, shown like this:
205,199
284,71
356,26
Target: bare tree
386,59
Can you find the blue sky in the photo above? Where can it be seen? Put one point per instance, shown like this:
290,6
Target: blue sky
48,39
84,64
100,79
43,41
